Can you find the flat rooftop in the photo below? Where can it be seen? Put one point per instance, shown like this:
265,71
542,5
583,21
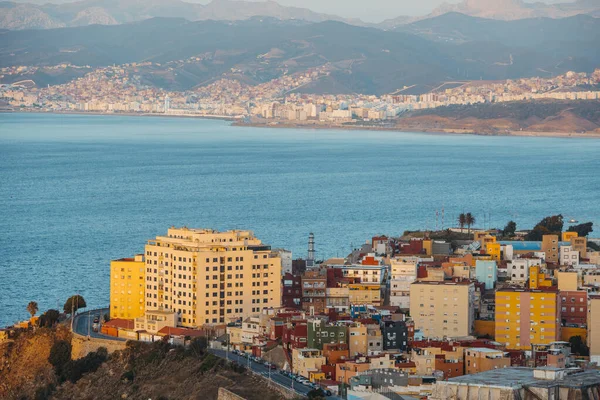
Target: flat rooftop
517,377
513,378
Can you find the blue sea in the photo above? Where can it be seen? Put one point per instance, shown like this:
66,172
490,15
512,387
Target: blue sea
77,191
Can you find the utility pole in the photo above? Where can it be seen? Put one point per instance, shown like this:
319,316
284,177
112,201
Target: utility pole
72,316
227,347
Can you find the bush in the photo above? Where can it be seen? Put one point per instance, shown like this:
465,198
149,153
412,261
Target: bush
44,393
75,369
198,346
60,355
128,375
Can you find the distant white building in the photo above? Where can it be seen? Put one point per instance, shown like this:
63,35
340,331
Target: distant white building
518,269
568,256
286,260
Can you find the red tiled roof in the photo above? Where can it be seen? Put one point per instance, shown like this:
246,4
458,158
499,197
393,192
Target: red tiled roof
120,323
168,331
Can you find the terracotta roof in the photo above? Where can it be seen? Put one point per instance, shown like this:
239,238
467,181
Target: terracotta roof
120,323
168,331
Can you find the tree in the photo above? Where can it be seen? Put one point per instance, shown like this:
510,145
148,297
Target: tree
74,303
60,355
462,221
578,346
470,220
510,229
582,229
49,318
198,346
548,226
32,308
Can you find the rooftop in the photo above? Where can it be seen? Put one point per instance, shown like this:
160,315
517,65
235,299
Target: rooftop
517,377
484,350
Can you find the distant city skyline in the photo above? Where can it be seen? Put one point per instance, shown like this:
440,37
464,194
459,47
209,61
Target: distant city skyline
377,11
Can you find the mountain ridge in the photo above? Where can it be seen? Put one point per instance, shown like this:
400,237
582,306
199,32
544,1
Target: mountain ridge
19,15
360,59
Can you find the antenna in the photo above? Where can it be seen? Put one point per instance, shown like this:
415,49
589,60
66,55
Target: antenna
310,261
442,217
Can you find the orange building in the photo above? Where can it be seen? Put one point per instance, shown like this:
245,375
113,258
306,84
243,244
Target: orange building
482,359
525,317
550,247
538,279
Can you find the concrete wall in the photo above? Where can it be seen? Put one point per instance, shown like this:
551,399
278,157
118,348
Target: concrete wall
82,346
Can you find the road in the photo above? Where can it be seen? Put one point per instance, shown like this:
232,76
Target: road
84,321
260,369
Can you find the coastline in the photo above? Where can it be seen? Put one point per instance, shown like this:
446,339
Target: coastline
122,114
565,135
236,121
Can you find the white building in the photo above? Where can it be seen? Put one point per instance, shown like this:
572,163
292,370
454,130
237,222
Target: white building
518,269
568,256
403,274
366,273
286,260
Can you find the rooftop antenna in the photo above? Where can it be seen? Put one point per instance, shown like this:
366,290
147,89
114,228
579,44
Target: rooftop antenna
442,217
310,261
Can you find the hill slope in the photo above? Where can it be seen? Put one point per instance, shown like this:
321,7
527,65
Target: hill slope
364,60
499,118
141,371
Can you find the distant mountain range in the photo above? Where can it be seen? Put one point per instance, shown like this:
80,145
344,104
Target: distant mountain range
17,16
23,15
449,48
506,10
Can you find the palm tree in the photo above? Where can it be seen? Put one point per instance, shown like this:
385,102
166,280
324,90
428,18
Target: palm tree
32,308
462,221
470,220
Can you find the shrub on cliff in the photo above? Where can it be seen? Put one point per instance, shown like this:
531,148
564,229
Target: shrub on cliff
75,369
60,355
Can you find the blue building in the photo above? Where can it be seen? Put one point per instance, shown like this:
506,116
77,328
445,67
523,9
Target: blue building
486,272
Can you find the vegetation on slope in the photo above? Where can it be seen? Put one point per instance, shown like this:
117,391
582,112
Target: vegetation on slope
37,365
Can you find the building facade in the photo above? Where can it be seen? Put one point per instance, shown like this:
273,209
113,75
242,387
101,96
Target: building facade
526,317
443,309
127,288
210,277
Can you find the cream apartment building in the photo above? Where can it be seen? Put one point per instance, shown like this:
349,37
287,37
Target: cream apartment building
207,277
443,309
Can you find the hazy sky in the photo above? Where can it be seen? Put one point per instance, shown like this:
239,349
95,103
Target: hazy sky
374,10
369,10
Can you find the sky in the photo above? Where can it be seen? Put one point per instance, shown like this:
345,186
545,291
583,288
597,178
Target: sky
375,10
368,11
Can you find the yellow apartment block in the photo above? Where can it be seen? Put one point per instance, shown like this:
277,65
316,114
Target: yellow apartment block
527,317
567,236
360,293
567,280
494,250
307,361
127,287
538,279
442,309
593,324
208,277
